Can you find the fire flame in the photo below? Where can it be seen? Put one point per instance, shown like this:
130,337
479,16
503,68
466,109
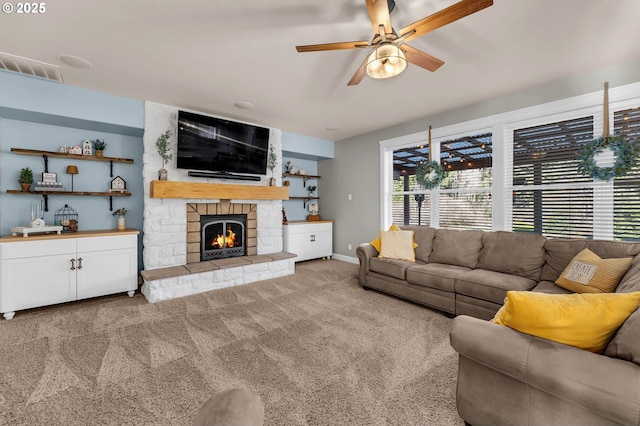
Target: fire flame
220,241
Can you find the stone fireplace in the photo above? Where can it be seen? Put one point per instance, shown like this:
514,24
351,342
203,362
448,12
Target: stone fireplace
221,230
173,210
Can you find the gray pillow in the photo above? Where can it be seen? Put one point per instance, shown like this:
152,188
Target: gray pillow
626,342
461,248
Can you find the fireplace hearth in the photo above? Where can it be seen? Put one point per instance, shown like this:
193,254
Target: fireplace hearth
222,236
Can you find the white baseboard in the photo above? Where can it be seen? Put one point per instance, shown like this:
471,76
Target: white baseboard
344,258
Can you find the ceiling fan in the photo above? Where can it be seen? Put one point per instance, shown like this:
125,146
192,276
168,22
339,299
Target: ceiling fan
390,52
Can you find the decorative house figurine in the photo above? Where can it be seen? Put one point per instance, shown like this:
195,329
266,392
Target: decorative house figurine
118,185
64,149
87,148
77,150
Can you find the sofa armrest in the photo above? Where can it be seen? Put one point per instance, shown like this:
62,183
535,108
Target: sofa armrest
492,345
607,386
365,252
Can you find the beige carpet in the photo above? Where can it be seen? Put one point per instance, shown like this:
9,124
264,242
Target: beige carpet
317,348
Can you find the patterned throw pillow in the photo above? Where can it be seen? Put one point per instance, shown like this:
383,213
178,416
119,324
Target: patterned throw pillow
588,273
397,245
377,242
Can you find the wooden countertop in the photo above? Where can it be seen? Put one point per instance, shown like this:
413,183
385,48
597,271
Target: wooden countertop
79,234
300,222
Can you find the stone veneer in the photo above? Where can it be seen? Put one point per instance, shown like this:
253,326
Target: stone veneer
165,222
195,210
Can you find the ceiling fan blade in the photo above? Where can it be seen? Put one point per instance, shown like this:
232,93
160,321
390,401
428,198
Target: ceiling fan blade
379,15
443,17
421,59
360,73
333,46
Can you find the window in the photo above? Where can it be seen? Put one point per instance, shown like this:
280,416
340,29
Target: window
518,171
464,197
550,196
465,192
626,189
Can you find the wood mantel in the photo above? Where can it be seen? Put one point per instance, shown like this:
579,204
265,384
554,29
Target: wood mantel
172,189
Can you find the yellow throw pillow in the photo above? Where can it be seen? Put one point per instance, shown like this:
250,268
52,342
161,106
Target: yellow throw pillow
586,321
588,273
377,242
397,245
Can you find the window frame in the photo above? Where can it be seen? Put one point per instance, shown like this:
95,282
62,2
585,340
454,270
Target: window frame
501,126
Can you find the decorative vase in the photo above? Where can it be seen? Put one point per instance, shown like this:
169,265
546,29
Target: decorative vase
163,174
272,181
122,223
99,153
25,187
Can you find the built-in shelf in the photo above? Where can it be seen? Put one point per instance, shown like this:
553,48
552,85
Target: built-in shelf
53,154
173,189
90,193
304,178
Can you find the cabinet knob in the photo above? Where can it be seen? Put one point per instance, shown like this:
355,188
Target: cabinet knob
80,263
73,264
313,238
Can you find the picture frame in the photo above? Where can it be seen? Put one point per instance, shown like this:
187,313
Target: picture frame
49,177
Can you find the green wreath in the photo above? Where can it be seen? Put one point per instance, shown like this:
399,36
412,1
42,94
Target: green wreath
624,150
429,175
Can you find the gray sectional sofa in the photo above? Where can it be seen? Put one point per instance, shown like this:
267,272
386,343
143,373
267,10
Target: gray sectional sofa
506,377
469,272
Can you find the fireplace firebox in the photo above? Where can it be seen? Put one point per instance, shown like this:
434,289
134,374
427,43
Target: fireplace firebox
222,236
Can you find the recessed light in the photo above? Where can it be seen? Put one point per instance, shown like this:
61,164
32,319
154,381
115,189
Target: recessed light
243,105
75,61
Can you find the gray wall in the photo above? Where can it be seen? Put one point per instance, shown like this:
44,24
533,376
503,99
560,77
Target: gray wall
356,167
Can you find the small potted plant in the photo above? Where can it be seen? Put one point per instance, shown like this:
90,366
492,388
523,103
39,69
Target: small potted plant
272,162
26,178
99,146
312,190
122,224
164,150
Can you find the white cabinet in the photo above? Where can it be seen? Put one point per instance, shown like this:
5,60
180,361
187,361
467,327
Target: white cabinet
41,272
308,240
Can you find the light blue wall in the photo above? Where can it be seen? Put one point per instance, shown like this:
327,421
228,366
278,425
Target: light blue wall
42,115
306,147
304,152
295,209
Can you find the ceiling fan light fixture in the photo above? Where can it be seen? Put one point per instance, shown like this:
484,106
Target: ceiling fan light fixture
385,61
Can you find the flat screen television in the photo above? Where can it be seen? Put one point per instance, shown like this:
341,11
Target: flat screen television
221,146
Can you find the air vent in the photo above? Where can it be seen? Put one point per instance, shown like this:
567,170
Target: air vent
30,67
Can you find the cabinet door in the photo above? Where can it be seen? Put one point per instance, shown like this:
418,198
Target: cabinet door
106,272
309,245
37,281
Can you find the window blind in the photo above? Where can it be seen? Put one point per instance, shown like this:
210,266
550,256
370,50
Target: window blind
550,196
626,189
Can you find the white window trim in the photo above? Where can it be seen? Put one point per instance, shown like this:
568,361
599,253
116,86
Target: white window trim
501,126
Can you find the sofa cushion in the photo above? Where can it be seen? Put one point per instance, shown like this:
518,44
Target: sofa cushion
423,236
435,275
453,247
490,285
513,253
626,342
560,252
397,245
588,273
550,287
586,321
390,267
631,280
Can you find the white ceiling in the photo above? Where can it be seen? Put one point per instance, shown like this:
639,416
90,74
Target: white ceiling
206,55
